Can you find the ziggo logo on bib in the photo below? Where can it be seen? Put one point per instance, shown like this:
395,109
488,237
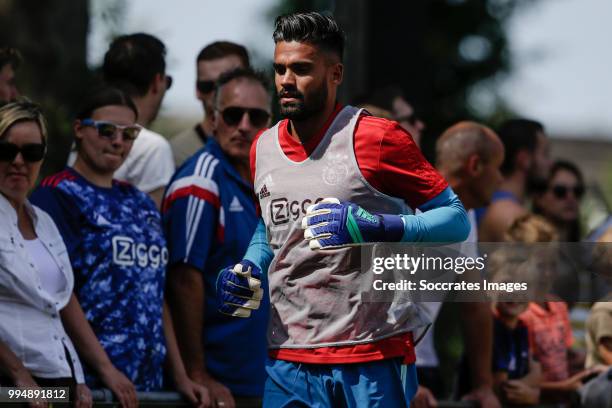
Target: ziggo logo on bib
282,210
128,253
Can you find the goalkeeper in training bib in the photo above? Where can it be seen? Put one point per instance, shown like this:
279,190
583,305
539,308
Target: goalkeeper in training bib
329,178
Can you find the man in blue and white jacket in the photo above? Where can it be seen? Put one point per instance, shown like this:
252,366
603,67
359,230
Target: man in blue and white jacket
209,217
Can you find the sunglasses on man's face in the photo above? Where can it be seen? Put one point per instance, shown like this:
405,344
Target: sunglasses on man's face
168,82
205,86
31,152
560,191
108,130
233,115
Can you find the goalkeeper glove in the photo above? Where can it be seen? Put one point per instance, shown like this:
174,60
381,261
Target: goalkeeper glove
239,289
333,224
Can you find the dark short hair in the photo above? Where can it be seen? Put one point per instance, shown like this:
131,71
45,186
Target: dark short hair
9,55
222,49
517,135
105,96
567,166
315,28
132,61
236,73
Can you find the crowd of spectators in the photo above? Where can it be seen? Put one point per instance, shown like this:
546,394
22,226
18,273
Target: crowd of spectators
108,268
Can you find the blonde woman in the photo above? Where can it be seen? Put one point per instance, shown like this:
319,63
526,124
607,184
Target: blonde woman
36,279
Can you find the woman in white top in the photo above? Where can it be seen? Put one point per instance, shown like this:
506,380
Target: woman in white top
36,279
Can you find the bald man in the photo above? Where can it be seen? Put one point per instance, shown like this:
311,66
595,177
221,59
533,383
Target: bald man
469,156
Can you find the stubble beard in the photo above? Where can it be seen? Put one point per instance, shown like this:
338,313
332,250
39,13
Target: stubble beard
301,110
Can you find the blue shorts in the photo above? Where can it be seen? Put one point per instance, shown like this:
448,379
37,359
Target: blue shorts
384,383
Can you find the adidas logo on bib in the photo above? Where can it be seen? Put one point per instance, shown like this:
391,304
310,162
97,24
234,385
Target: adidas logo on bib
263,193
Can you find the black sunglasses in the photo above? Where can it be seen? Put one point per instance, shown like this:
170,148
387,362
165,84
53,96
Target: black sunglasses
560,191
233,115
205,86
31,152
109,129
168,82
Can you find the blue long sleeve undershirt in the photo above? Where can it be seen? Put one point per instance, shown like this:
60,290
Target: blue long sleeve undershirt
259,251
443,220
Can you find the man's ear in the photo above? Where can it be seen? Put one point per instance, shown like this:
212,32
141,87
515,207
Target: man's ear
215,120
337,73
474,165
157,84
524,159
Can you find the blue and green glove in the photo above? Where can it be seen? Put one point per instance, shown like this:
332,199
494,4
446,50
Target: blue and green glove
239,289
333,224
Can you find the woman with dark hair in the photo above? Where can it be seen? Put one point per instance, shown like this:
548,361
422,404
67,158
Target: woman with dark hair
117,248
560,202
